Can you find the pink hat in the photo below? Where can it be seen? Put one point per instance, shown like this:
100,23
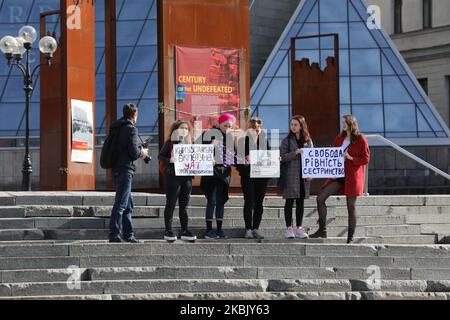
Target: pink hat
226,117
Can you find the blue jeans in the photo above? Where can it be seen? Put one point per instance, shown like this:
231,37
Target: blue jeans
120,222
215,201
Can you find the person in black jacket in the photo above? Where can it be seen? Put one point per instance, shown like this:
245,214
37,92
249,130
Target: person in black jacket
123,170
254,189
215,188
177,188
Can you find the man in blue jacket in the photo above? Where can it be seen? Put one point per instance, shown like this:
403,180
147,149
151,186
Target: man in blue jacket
128,150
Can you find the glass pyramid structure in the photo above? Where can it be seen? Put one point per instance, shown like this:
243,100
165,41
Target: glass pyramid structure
376,85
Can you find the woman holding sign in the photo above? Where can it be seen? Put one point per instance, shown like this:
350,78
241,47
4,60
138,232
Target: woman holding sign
254,189
215,188
177,188
295,187
357,156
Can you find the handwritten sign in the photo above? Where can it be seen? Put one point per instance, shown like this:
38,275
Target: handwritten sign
323,163
264,164
194,159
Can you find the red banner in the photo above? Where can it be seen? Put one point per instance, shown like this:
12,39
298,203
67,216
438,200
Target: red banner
207,84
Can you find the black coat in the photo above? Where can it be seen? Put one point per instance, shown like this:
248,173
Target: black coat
128,145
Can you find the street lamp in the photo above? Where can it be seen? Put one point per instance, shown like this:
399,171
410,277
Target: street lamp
14,48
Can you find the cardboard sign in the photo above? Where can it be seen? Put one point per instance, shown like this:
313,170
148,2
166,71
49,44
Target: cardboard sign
323,163
194,159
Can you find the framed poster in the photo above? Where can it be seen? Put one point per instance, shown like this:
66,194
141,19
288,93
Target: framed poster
207,84
82,131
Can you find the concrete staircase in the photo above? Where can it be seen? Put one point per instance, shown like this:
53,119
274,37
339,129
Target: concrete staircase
52,247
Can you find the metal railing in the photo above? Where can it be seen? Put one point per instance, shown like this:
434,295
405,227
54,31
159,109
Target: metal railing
408,154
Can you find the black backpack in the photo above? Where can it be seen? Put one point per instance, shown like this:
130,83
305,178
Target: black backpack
109,154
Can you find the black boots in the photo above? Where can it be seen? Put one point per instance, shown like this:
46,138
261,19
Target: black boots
351,232
322,232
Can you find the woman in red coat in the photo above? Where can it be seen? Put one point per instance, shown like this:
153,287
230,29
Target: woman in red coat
357,155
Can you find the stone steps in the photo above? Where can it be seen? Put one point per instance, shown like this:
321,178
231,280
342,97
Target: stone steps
212,285
142,273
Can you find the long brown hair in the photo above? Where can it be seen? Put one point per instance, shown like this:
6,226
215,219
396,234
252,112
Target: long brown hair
352,124
176,125
304,131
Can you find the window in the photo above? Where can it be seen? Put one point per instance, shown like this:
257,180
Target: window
427,14
398,4
424,83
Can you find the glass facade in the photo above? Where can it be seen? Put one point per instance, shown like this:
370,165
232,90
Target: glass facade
136,62
375,85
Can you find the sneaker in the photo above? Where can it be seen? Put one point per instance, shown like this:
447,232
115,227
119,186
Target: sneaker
133,240
115,240
221,235
188,236
300,233
211,234
257,235
169,236
248,234
290,233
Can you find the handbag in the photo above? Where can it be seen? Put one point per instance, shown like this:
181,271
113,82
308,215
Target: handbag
283,170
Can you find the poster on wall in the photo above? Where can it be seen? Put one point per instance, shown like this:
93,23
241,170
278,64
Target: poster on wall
207,84
82,131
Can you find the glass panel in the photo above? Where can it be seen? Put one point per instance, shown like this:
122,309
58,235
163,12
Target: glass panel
343,63
393,60
10,115
14,90
128,32
292,33
333,10
365,62
275,117
278,92
15,11
260,90
394,91
123,56
353,14
151,91
100,34
275,64
283,71
400,118
306,10
143,59
386,68
360,36
423,124
412,89
340,28
149,36
99,60
148,115
100,116
424,109
132,86
370,118
135,10
366,90
344,110
309,29
100,89
100,10
344,87
44,6
313,15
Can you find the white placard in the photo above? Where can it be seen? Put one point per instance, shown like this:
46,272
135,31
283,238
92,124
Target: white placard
323,163
194,159
264,163
82,131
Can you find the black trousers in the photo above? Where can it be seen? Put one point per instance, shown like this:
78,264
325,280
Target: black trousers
177,188
254,193
299,209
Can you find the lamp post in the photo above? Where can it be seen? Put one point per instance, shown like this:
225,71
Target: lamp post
14,48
